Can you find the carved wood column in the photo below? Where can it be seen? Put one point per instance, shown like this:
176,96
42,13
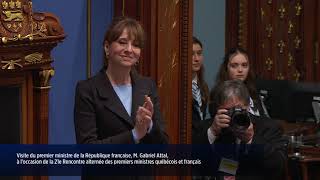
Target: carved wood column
41,103
167,57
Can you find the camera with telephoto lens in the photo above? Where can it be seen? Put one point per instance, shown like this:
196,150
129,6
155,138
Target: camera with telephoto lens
240,119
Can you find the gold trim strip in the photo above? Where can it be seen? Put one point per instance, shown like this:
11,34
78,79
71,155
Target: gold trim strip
316,52
46,87
242,31
123,7
88,38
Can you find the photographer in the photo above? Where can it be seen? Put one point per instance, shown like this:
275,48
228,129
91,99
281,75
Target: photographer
263,150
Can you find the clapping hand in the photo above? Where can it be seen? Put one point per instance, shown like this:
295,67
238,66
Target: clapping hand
144,117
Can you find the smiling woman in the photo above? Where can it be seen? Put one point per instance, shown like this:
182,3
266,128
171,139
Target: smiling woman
118,106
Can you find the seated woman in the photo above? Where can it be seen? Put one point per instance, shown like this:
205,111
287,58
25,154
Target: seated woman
236,65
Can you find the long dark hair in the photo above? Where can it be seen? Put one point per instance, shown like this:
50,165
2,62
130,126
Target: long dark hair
223,75
201,82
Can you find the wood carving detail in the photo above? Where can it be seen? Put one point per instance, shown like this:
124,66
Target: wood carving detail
281,39
19,23
15,17
46,24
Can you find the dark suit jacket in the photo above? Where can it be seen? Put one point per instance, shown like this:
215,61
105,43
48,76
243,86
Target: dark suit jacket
100,117
253,164
196,119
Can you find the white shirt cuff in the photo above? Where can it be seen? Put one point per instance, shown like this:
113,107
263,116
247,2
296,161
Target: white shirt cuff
211,136
135,136
150,127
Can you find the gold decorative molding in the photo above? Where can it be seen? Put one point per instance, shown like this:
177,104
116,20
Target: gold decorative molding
123,7
13,15
269,30
262,13
16,38
281,46
290,27
297,42
33,58
269,64
15,18
243,29
290,59
20,23
296,75
39,28
298,8
10,64
280,76
4,4
44,77
282,11
316,52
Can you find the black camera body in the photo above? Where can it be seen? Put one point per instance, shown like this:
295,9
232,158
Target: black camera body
240,118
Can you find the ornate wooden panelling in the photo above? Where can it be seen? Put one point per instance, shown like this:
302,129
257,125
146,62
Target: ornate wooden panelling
26,41
281,37
167,57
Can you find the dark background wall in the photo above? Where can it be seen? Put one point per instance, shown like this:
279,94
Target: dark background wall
70,60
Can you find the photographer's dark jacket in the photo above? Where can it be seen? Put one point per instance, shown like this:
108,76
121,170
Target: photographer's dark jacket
264,165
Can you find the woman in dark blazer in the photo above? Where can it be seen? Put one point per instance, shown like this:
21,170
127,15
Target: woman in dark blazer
100,117
118,106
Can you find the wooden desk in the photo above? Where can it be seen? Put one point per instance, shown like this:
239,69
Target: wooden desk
305,162
309,164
